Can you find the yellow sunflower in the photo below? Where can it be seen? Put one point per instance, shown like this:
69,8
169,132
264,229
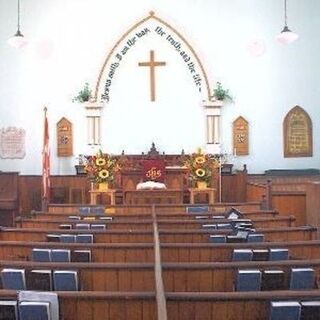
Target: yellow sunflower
200,160
200,172
100,162
103,174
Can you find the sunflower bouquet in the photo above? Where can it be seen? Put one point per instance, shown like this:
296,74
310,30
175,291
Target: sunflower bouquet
201,165
101,167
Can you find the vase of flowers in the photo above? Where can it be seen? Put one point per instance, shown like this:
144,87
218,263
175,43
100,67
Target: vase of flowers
101,169
200,167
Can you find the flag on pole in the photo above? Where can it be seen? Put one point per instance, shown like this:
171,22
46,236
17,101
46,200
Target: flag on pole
45,164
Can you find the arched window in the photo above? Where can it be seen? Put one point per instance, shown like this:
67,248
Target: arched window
297,133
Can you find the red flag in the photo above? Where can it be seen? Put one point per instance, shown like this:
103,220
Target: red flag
46,163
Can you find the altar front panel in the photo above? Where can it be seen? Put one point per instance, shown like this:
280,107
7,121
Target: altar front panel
142,197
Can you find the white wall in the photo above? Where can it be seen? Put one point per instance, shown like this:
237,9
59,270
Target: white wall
77,35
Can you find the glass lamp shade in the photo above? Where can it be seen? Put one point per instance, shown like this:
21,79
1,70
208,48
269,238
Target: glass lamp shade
18,40
287,36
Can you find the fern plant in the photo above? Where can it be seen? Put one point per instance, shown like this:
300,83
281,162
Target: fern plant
219,93
83,95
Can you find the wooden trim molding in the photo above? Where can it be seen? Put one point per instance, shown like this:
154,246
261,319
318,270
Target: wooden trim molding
136,25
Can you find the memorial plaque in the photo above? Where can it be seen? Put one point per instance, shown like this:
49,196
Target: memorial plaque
297,127
64,138
12,143
240,137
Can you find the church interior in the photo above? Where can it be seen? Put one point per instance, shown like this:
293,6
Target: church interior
165,166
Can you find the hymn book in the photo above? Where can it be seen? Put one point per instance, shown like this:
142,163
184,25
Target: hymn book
81,256
242,255
48,297
84,238
53,237
310,310
302,279
34,310
41,255
260,255
272,280
65,280
8,310
67,238
248,280
60,255
278,254
217,238
97,226
13,279
281,310
40,280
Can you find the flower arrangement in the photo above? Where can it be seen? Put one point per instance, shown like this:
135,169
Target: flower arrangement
102,167
200,166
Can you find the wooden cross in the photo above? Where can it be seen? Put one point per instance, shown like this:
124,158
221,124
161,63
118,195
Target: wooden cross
152,64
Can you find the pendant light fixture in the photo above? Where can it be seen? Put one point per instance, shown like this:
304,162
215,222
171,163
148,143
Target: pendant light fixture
18,40
286,36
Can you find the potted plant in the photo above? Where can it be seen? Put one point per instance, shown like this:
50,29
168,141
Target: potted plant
221,94
83,95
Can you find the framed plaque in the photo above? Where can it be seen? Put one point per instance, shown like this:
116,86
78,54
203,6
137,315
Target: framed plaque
297,133
240,128
64,138
12,143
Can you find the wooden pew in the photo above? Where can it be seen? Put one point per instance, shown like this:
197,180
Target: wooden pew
100,252
246,214
131,209
281,221
89,305
177,277
171,236
231,305
216,207
86,305
265,222
99,276
170,252
147,215
192,273
110,225
100,236
221,276
276,234
208,252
